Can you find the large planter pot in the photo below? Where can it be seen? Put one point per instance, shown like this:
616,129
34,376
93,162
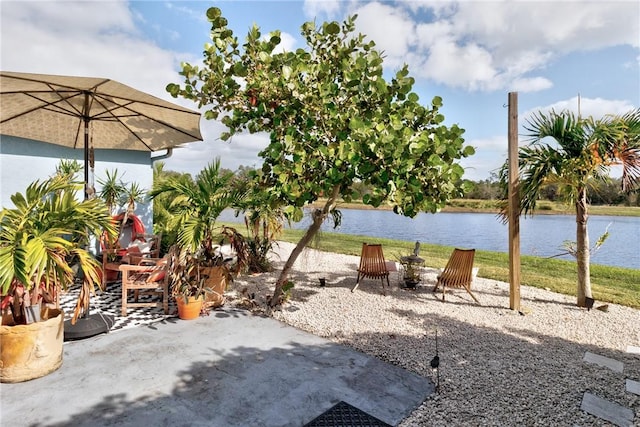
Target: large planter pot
216,281
31,351
189,307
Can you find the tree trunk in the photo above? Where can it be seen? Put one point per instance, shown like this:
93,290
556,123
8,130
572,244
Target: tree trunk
319,215
583,254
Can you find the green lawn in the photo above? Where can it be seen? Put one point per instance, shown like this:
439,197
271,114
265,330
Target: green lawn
609,284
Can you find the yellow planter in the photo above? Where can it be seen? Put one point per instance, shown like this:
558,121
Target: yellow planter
216,281
31,351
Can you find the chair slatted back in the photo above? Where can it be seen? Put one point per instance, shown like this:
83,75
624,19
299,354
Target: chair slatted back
372,263
458,272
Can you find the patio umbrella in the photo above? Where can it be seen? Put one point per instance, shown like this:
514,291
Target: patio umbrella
90,112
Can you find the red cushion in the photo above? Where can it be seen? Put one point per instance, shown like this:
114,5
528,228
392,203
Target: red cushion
156,276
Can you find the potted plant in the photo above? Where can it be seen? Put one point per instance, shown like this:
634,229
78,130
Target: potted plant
195,207
412,272
41,238
187,285
412,266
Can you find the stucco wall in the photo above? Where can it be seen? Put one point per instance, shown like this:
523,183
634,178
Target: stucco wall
22,161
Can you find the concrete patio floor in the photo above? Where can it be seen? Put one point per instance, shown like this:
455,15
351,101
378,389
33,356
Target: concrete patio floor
231,368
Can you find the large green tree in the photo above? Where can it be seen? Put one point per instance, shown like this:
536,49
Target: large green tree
571,153
332,118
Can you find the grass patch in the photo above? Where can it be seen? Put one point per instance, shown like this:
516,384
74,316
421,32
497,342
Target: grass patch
609,284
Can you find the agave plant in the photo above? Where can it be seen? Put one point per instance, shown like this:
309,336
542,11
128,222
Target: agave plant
41,238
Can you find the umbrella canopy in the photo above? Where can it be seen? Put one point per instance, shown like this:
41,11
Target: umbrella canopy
89,112
55,109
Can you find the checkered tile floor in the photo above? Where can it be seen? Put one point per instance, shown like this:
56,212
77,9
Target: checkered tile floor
109,303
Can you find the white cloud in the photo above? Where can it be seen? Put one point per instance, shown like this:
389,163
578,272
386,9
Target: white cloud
468,66
430,33
594,107
491,154
322,8
287,43
496,142
35,39
508,27
75,19
196,15
390,27
487,46
530,84
240,151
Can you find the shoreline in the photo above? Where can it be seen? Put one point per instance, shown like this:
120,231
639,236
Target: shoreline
598,210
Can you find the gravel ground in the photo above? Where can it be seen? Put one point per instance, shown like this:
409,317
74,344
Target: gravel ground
497,367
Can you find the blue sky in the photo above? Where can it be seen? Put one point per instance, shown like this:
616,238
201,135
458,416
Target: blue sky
471,53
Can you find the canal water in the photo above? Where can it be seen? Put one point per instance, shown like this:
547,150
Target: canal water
540,235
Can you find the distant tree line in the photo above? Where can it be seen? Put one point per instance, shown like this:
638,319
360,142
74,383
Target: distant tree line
607,192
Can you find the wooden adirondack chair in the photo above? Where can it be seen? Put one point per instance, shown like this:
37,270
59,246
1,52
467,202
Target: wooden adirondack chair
372,265
458,273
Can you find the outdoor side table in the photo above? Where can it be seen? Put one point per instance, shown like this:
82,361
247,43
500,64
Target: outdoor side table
412,266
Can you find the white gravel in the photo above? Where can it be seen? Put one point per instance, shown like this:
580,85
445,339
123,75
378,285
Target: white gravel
497,367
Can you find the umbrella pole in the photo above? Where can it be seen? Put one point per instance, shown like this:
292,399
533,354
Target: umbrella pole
89,324
86,159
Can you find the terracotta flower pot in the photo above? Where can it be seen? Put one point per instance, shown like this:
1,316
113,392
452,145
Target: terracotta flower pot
190,309
31,351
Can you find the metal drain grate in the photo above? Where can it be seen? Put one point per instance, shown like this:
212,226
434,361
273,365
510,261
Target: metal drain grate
344,415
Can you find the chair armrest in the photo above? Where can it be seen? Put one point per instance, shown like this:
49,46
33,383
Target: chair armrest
140,268
146,261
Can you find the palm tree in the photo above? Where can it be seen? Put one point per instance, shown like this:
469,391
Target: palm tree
112,190
130,196
161,203
264,222
571,153
196,206
42,236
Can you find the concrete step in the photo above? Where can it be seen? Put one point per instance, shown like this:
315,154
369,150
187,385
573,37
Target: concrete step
633,349
606,362
633,386
614,413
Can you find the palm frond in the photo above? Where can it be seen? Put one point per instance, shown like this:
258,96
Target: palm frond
39,235
564,128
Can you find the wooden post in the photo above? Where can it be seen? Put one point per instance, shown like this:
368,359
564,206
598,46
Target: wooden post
514,206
